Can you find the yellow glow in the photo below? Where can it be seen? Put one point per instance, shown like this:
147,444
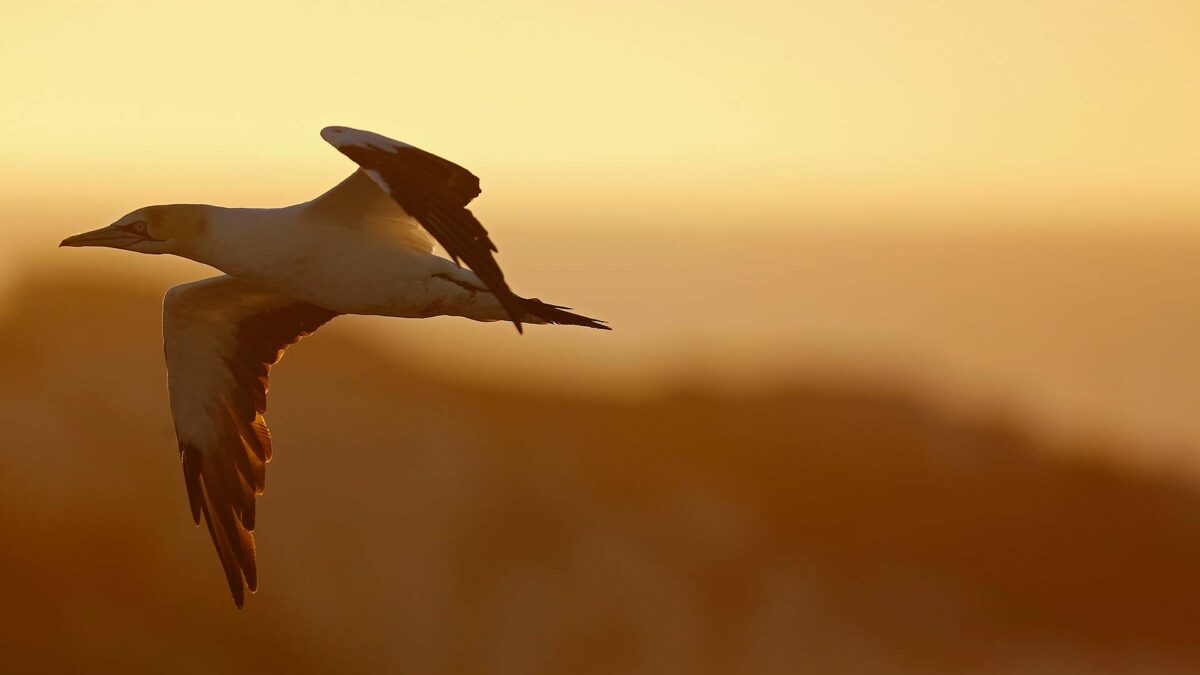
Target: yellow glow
892,105
628,152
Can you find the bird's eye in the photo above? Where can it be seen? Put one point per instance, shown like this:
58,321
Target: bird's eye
139,227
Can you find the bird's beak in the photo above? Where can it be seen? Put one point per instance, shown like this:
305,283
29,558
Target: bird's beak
111,236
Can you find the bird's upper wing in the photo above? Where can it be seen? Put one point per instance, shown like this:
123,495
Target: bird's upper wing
359,202
221,336
435,191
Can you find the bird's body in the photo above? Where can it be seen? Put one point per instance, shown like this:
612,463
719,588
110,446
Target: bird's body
363,247
350,267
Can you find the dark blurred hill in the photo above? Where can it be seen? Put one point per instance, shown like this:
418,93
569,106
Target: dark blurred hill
414,525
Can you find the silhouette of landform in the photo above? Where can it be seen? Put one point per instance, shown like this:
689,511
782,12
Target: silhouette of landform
417,525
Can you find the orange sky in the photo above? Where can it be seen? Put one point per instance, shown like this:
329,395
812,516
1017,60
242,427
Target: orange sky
784,108
631,122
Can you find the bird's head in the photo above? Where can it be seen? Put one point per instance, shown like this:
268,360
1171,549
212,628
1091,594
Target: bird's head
151,229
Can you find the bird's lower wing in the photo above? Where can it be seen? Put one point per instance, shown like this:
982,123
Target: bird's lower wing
221,337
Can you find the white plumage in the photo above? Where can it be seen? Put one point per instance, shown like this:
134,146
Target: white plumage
363,247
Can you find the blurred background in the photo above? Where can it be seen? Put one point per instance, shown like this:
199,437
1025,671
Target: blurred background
902,375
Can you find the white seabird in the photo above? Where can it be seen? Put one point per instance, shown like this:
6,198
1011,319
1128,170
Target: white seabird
357,249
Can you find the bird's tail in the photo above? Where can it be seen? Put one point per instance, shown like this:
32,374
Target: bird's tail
537,311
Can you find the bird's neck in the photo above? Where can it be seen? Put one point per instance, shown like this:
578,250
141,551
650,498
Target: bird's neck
238,241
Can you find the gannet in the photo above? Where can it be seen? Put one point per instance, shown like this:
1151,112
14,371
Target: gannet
363,247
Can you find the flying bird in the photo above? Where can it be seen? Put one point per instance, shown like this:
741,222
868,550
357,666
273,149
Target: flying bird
363,247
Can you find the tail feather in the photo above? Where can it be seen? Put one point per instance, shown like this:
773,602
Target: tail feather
558,315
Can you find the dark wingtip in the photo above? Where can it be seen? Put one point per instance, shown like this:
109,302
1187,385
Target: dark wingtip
251,575
330,132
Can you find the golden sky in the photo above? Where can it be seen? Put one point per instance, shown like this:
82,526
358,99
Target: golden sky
751,109
688,124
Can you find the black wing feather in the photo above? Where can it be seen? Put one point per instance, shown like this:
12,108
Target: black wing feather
223,480
434,191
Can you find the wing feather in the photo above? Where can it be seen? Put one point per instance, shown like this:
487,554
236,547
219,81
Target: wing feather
436,192
358,201
221,336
